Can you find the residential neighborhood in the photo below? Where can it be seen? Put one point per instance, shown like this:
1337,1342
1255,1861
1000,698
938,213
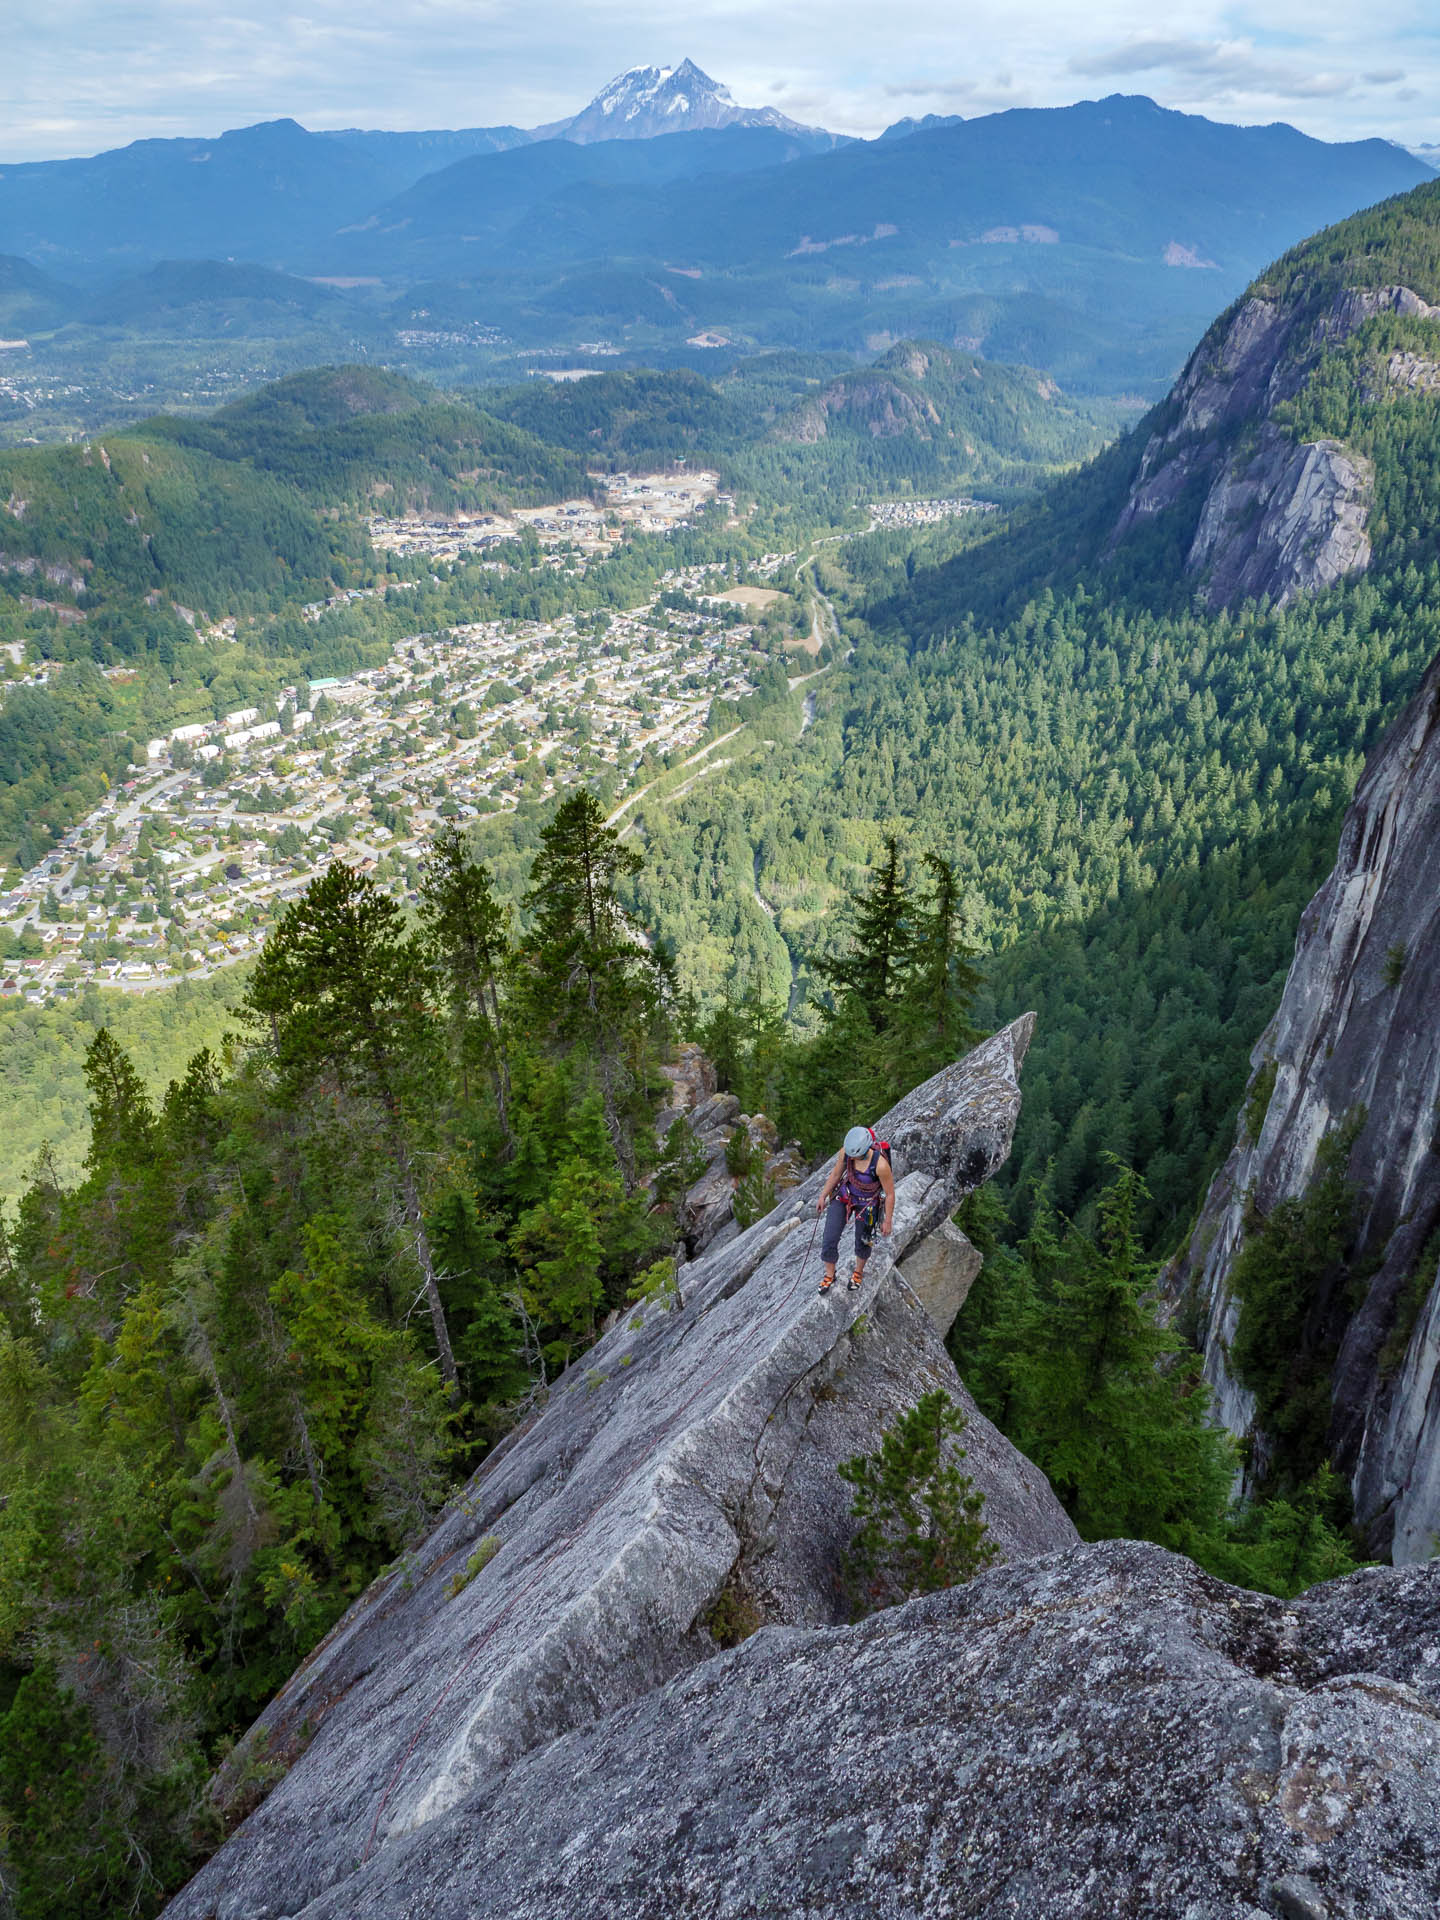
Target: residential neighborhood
184,868
925,513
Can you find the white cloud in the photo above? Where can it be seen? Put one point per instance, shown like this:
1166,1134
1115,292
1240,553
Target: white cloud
82,74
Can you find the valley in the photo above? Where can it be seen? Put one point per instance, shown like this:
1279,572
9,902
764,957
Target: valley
575,669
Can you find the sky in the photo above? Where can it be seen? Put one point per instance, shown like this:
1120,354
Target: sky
81,75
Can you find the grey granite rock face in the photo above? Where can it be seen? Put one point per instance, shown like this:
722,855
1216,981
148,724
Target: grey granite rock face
942,1270
1102,1734
1292,519
688,1460
1358,1027
1277,517
706,1215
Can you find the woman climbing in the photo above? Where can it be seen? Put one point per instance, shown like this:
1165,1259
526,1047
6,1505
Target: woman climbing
861,1184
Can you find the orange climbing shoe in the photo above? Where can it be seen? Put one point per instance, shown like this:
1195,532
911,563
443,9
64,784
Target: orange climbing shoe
858,1275
827,1280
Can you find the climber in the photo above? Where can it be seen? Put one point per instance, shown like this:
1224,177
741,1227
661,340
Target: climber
861,1184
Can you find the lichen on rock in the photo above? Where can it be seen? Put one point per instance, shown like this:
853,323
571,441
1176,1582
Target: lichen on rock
1102,1732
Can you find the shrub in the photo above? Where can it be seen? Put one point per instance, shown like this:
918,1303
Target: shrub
484,1553
920,1516
656,1286
1257,1101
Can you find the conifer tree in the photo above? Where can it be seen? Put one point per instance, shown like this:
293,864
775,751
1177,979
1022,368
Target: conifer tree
921,1527
119,1234
868,974
595,983
469,939
122,1121
343,990
939,983
1090,1385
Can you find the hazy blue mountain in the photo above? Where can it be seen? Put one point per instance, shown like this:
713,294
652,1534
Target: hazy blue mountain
259,192
1093,240
247,193
485,207
196,298
30,299
411,155
923,123
1120,176
269,192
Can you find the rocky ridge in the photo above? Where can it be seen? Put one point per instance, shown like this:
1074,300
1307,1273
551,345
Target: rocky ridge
1356,1031
1101,1734
1275,517
678,1489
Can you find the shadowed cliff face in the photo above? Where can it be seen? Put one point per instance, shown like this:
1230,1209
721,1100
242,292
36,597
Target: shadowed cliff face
691,1455
1358,1027
1276,517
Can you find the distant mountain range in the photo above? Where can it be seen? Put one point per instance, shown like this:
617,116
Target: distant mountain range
1090,241
274,190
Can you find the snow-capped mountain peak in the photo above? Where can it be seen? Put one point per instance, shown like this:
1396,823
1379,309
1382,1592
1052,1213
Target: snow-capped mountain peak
645,101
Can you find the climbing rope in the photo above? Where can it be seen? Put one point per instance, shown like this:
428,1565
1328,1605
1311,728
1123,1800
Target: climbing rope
565,1540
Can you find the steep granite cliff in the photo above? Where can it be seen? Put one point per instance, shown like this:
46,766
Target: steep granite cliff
1273,515
679,1485
1357,1033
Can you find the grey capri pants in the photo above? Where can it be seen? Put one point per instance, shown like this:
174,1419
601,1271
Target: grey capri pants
835,1227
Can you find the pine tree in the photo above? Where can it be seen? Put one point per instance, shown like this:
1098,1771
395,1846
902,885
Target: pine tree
119,1232
1101,1396
595,982
469,940
920,1517
122,1121
868,975
343,990
939,983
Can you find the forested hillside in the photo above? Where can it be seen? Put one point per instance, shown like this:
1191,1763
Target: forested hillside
347,435
1137,796
246,1353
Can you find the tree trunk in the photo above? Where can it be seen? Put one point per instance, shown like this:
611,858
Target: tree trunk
624,1158
410,1193
491,1017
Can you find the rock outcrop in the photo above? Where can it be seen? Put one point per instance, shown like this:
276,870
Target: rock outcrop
1275,516
1101,1732
678,1489
1357,1028
707,1211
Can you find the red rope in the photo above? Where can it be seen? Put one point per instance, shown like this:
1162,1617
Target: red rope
564,1541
